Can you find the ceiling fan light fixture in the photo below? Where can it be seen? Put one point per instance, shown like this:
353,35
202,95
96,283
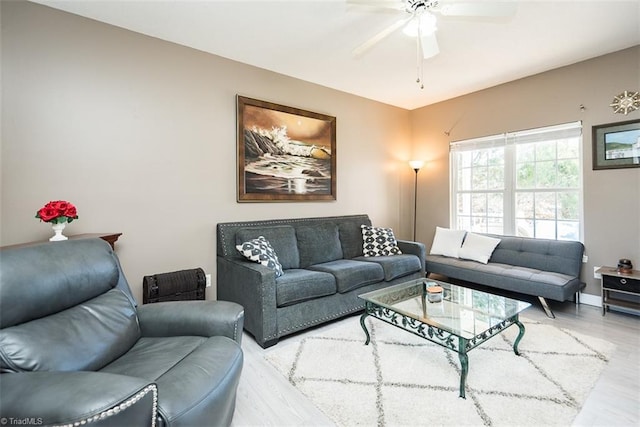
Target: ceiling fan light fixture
425,22
420,23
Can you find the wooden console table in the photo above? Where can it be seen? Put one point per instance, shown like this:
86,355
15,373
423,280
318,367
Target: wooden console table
110,238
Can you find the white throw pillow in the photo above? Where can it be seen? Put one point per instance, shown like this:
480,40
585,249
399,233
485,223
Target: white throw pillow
447,242
478,248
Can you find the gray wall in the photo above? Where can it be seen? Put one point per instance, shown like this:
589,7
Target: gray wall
611,197
140,135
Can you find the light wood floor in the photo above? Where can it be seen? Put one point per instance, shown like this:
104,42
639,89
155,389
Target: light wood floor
265,398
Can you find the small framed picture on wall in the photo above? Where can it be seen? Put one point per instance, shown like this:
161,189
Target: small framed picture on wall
616,145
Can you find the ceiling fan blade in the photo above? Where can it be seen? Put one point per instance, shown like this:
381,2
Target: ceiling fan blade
429,46
364,47
378,4
488,9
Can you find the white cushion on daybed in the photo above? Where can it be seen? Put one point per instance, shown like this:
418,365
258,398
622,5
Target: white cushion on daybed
478,248
447,242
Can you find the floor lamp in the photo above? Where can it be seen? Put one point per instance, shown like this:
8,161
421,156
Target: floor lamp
416,165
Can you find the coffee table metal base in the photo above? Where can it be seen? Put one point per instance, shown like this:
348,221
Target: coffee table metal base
438,336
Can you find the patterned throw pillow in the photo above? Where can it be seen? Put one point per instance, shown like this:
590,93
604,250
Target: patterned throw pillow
260,250
378,241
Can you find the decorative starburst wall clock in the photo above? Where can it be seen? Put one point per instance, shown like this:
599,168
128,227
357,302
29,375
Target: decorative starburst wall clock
625,102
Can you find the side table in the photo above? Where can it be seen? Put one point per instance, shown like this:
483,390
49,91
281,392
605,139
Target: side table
615,284
110,238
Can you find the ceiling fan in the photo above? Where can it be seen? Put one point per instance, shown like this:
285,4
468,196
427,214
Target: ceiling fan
419,20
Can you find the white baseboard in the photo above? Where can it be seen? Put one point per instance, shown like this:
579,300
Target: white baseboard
588,299
596,301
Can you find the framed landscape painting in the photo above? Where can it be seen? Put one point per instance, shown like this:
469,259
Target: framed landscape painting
616,145
284,153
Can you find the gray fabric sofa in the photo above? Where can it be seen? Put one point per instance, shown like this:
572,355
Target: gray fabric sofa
324,272
75,348
539,267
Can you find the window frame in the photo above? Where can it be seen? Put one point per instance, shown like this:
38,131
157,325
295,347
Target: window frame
509,142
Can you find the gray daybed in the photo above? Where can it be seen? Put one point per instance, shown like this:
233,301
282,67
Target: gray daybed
539,267
324,271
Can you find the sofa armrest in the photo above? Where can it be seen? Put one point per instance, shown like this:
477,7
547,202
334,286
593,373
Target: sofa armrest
254,287
76,398
196,318
415,248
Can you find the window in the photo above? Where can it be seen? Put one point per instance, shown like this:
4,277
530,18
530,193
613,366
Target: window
526,183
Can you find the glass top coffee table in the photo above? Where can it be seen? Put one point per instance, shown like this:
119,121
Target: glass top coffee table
463,319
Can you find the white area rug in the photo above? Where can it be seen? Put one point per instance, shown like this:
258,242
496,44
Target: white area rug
400,379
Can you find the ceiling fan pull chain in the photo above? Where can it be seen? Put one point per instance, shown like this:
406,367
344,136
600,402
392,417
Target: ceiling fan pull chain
419,59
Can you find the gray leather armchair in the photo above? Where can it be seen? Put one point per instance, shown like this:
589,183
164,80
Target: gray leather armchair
75,348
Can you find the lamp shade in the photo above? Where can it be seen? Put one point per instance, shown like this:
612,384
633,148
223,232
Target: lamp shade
416,164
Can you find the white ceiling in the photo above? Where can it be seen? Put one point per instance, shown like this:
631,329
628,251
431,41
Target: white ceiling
313,40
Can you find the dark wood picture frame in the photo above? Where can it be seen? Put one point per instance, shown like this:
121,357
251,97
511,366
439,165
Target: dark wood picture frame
284,153
616,145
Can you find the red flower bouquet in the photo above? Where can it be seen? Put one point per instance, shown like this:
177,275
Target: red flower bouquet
57,212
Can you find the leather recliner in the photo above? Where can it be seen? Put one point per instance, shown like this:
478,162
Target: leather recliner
75,348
